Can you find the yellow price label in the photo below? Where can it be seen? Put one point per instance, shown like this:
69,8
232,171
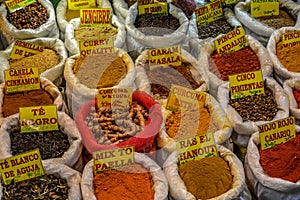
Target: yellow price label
95,17
261,8
114,97
14,5
208,13
290,39
105,45
80,4
23,49
155,8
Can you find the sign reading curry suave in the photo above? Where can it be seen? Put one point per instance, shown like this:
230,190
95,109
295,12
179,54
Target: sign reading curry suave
94,17
208,13
291,39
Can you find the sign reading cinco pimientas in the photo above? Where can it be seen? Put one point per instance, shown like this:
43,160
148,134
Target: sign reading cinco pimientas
155,8
38,118
182,98
290,39
197,147
114,97
14,5
231,42
261,8
208,13
79,4
245,84
165,57
105,45
113,159
23,49
277,132
21,79
94,17
21,167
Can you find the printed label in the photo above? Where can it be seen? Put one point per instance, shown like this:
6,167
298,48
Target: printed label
21,167
21,79
231,42
245,84
96,46
208,13
14,5
228,2
290,39
196,148
277,132
164,57
114,97
94,17
80,4
38,118
146,2
156,8
23,49
181,98
261,8
113,159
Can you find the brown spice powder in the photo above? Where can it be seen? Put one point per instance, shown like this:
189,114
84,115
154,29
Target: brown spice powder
288,56
278,21
94,33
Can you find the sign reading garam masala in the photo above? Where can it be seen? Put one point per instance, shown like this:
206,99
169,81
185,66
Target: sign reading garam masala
79,4
113,158
21,167
197,147
208,13
105,45
231,42
277,132
23,49
245,84
21,79
94,17
290,39
114,97
155,8
259,8
14,5
181,98
165,57
38,118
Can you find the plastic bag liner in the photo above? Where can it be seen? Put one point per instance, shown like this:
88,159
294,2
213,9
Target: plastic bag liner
48,29
288,87
214,82
140,142
136,40
280,72
263,31
73,178
46,85
218,118
55,74
66,126
73,46
262,185
78,93
178,190
243,130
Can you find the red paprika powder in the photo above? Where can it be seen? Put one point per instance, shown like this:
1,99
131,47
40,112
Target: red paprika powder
241,61
296,93
283,160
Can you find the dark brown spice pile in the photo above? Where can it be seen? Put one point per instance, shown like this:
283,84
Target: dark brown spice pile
215,28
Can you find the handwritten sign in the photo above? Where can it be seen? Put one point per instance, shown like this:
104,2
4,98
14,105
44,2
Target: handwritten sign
208,13
261,8
94,17
21,79
38,118
80,4
164,57
156,8
113,159
114,97
245,84
23,49
181,98
21,167
196,148
277,132
290,39
14,5
231,42
105,45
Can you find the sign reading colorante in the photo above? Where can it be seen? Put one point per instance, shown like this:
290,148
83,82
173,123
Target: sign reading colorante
208,13
94,17
261,8
14,5
21,167
231,42
114,97
105,45
113,159
245,84
290,39
80,4
23,49
196,148
38,118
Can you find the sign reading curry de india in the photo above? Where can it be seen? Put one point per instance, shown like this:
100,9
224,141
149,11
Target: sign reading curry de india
21,79
94,17
209,13
14,5
290,39
261,8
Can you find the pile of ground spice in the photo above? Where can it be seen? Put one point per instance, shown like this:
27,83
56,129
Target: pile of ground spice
94,33
131,183
277,21
283,160
13,101
206,178
288,56
100,70
296,93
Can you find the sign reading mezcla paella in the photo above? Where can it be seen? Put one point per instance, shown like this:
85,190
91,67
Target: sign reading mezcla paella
209,13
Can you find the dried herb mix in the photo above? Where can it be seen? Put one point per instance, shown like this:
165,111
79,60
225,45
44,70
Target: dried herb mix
215,28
